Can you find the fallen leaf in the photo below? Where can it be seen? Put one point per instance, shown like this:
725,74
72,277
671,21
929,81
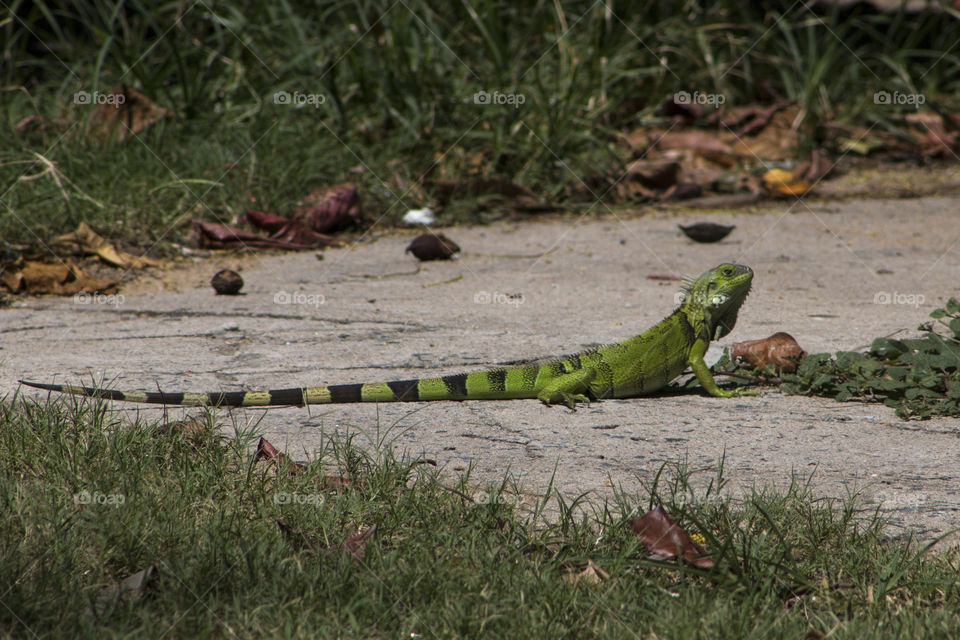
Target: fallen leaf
212,235
654,174
706,231
780,350
295,233
760,120
86,241
330,209
60,278
124,112
783,182
356,545
590,574
664,539
432,246
266,451
704,143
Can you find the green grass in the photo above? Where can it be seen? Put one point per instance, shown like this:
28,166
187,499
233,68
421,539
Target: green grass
397,81
441,565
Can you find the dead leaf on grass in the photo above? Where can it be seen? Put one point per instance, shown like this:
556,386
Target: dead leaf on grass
125,112
266,451
86,241
329,209
211,235
663,538
356,545
290,231
592,573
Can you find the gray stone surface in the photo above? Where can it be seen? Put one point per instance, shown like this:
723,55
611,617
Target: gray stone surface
823,273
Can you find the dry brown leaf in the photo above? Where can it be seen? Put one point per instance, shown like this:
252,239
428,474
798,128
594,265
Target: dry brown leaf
211,235
664,539
356,545
86,241
329,209
60,278
295,233
590,574
704,143
780,350
266,451
125,112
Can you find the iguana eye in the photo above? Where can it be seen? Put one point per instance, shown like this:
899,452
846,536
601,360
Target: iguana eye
728,271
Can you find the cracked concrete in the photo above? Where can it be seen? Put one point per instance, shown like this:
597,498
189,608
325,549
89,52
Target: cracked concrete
823,273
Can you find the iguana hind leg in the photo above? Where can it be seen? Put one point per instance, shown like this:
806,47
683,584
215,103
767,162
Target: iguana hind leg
569,389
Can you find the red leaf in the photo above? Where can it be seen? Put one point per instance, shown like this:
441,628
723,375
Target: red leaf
664,539
330,209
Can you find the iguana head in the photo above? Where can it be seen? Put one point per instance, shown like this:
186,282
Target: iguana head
713,299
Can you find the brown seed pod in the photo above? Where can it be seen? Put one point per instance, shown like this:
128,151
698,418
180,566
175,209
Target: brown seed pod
227,282
706,231
433,246
780,350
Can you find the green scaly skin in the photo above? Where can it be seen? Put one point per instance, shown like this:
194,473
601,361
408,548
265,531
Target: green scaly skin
638,366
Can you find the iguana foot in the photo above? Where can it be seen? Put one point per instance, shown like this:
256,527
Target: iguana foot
562,397
735,393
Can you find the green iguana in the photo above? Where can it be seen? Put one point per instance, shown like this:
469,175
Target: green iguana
638,366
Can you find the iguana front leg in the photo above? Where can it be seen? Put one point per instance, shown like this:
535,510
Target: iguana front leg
569,389
702,371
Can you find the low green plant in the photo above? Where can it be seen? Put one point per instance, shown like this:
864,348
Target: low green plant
919,377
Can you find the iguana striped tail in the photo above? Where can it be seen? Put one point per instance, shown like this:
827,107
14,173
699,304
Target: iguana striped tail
522,382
